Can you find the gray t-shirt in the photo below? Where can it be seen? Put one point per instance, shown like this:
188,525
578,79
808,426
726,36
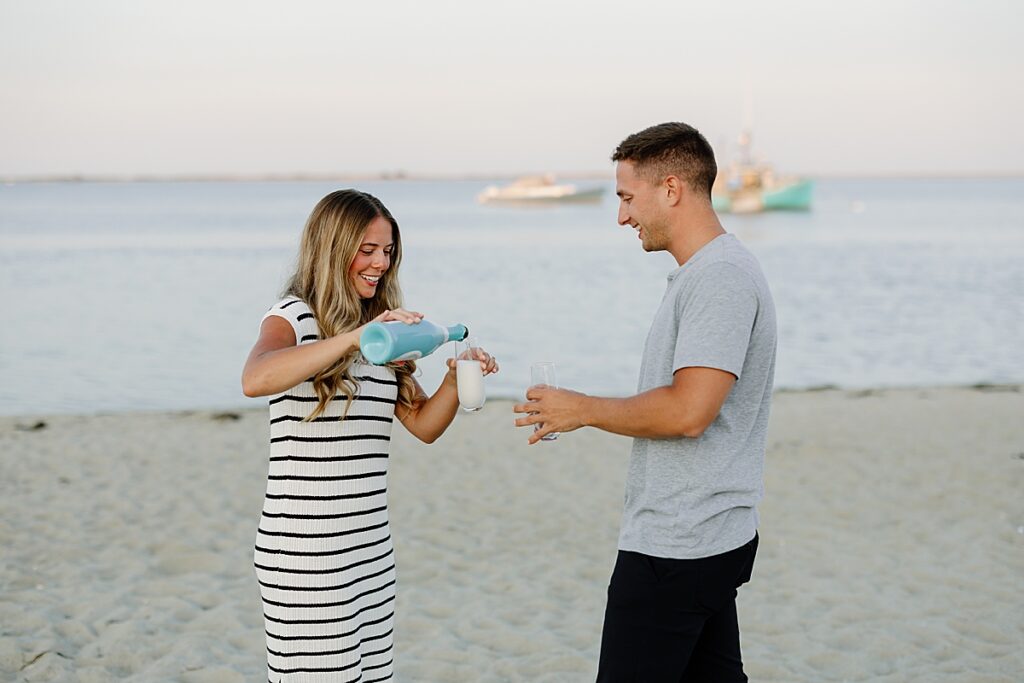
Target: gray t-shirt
689,498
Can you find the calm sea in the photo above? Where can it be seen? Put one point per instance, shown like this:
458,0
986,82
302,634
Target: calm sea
143,296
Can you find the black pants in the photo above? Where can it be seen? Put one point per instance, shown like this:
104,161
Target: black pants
674,620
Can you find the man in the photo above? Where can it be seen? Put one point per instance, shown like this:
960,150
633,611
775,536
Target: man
699,422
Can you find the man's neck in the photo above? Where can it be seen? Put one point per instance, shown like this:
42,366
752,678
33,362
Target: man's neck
693,233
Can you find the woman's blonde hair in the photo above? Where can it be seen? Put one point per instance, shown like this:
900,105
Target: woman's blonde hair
330,240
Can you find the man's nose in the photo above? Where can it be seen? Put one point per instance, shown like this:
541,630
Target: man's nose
623,216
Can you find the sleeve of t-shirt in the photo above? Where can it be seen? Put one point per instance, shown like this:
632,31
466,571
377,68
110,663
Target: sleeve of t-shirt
716,318
295,311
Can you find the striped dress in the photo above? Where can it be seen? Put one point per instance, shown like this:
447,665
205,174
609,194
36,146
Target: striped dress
323,553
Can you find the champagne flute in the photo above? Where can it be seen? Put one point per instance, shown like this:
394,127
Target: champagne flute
469,376
542,374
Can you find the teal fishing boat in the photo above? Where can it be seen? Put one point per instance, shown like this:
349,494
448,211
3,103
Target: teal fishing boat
794,197
748,187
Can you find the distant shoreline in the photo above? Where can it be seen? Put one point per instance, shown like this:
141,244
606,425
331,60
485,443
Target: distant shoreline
428,177
292,177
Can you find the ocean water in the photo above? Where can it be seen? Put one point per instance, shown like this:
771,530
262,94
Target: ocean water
148,296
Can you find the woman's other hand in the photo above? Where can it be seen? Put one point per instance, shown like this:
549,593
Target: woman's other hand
487,362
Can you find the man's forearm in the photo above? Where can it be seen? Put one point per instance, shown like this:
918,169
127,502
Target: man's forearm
654,414
684,408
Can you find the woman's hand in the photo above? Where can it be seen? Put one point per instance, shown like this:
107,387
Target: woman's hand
399,314
487,362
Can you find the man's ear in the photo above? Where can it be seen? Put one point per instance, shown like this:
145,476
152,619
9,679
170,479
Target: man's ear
672,187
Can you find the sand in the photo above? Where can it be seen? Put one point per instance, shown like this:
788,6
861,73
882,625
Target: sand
892,545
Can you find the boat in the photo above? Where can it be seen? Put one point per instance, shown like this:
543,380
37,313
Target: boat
749,187
540,189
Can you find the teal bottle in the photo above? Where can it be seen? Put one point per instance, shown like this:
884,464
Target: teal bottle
382,343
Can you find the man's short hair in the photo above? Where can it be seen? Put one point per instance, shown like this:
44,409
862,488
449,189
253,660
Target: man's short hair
671,149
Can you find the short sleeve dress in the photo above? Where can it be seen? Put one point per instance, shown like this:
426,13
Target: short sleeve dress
323,555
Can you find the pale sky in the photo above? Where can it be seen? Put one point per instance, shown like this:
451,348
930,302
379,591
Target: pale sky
441,86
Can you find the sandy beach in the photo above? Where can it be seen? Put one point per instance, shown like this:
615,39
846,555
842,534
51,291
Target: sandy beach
892,545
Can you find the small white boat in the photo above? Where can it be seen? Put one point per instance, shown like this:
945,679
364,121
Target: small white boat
538,190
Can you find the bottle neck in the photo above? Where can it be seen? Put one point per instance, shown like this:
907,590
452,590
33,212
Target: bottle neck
457,332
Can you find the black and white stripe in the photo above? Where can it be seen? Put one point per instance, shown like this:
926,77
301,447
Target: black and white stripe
323,555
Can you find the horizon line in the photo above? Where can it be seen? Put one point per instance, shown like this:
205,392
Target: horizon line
410,176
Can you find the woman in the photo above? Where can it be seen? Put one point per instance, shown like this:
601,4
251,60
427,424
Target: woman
323,555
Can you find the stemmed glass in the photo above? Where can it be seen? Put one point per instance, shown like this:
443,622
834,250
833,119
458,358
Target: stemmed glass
542,374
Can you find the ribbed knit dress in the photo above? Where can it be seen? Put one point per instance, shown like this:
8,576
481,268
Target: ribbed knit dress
323,556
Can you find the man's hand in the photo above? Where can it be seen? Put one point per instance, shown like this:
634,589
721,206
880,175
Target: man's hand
556,410
683,409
